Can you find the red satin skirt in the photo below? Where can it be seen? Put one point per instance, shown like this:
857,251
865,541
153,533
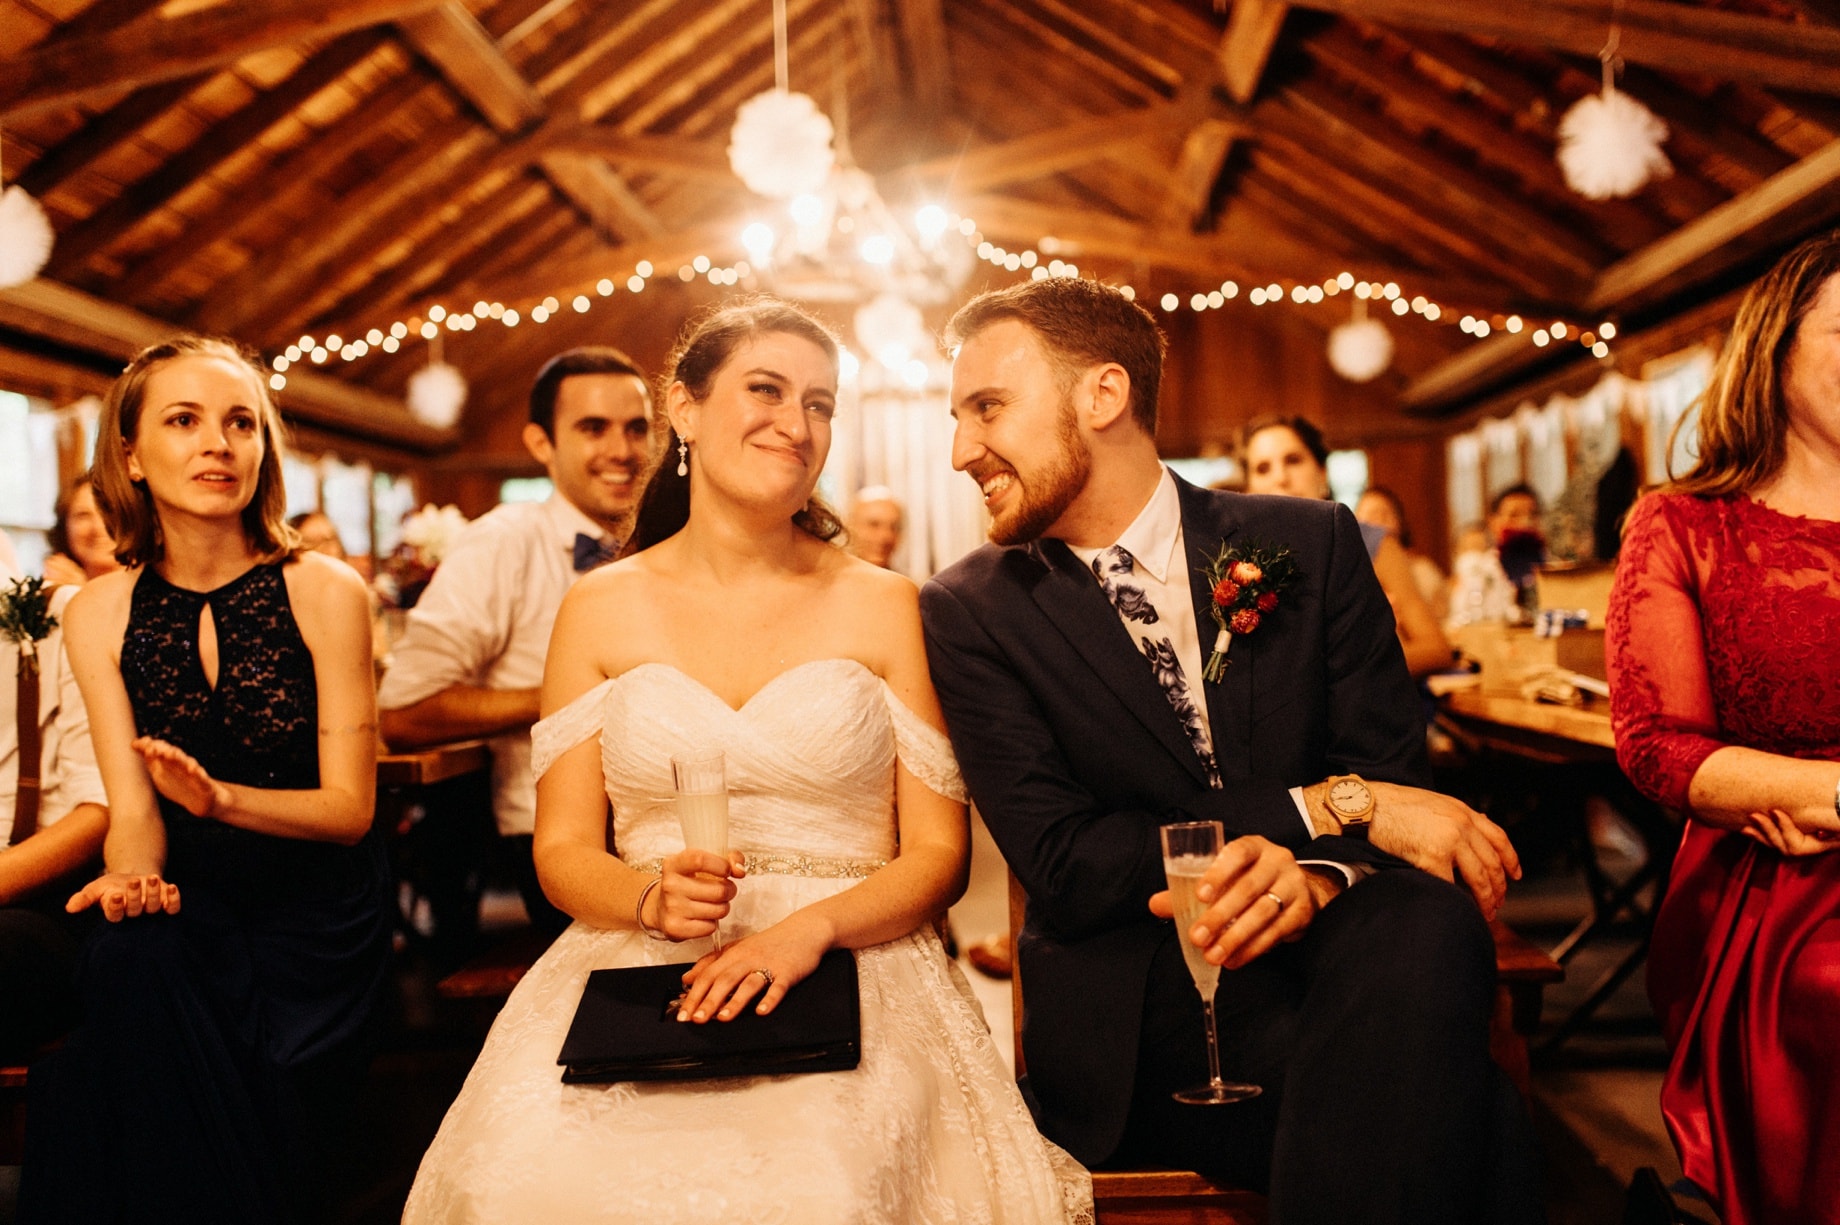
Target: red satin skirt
1744,973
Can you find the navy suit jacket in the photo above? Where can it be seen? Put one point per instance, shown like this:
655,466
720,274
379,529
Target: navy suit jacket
1075,758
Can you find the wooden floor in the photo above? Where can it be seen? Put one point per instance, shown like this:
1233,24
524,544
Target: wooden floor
1596,1109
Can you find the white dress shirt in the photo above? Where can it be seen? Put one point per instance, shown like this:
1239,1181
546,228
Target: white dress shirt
484,620
68,775
1155,542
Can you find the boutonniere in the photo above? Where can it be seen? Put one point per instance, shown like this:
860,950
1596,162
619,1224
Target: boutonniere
25,617
1247,585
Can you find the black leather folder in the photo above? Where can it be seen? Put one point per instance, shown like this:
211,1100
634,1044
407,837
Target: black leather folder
626,1028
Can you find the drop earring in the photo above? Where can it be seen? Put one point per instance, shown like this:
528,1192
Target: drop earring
683,458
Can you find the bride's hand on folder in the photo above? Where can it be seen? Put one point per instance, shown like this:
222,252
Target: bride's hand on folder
694,891
762,967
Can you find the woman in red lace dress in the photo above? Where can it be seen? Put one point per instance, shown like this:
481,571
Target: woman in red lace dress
1724,642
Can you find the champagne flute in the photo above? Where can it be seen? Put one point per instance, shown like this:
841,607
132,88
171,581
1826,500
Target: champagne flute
1189,850
702,804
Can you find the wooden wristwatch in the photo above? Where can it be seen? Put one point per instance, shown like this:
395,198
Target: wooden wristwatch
1351,803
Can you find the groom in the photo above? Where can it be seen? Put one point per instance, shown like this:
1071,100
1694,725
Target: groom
1070,658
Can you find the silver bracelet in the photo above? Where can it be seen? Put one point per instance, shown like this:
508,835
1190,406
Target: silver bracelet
639,911
1837,797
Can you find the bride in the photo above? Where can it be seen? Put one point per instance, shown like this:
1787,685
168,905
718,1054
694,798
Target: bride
738,626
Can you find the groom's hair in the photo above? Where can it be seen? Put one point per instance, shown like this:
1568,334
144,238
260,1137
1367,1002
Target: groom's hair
1082,323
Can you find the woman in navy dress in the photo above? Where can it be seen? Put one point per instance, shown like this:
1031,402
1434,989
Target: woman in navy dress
228,677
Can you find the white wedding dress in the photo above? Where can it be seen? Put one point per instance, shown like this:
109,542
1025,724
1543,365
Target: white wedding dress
929,1127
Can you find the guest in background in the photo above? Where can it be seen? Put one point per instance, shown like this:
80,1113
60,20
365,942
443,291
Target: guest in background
227,1001
318,533
1380,507
81,547
471,660
874,527
49,832
1519,538
1287,456
1725,691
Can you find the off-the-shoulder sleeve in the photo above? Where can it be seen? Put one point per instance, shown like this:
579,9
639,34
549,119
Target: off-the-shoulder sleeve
551,737
924,750
1660,695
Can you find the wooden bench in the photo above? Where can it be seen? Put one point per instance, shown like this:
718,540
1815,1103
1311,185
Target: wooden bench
492,974
1182,1197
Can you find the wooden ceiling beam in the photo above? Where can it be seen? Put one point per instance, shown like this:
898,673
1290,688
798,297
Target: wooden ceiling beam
297,170
451,39
1252,31
563,277
217,145
96,138
1458,195
602,197
929,59
1052,151
703,160
1191,182
1739,230
155,48
71,317
1720,239
1672,37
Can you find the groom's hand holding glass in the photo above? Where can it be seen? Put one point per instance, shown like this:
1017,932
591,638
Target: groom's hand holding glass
1257,895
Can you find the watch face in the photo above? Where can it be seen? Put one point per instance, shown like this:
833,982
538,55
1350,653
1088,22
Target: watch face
1348,796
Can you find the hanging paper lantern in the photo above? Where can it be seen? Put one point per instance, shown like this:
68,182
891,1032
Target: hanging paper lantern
1610,145
1360,349
25,237
892,329
436,392
781,145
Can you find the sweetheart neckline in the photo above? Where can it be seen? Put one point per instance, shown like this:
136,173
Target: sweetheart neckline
755,696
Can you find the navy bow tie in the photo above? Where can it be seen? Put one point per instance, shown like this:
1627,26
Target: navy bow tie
592,551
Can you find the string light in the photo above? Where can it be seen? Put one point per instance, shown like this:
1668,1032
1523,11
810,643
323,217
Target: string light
1039,263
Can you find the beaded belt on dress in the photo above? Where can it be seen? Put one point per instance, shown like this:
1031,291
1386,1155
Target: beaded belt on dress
784,863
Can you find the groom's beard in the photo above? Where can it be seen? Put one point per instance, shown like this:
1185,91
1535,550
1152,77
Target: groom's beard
1045,496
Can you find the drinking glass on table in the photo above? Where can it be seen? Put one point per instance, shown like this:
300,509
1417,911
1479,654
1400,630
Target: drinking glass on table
1189,850
702,803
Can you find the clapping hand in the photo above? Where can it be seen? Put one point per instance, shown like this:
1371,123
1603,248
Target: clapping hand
1447,838
177,775
124,895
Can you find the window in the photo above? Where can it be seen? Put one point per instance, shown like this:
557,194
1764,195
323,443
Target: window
28,476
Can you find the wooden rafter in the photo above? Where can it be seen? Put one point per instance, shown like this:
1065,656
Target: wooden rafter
666,252
105,132
1197,169
452,40
157,48
1252,31
602,197
1670,36
219,144
1050,152
82,321
929,63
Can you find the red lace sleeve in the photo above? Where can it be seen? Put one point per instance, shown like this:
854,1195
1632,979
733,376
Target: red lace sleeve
1660,697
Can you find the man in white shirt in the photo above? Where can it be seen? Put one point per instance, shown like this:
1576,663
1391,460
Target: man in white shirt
470,663
40,867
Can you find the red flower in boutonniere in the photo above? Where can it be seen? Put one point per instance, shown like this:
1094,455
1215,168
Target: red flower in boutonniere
1248,584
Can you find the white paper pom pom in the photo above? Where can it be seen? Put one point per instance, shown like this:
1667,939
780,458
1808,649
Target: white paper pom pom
1610,145
25,237
781,145
1360,349
436,392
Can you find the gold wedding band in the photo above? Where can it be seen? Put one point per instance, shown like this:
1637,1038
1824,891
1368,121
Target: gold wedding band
1276,901
764,974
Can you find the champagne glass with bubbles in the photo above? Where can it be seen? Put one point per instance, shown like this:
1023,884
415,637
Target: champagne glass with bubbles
702,804
1189,850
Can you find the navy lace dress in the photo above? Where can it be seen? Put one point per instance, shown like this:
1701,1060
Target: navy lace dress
219,1046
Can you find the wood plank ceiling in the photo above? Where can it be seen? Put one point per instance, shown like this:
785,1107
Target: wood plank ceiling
268,168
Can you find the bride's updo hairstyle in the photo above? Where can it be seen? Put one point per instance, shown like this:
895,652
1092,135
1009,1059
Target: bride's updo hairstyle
127,506
707,344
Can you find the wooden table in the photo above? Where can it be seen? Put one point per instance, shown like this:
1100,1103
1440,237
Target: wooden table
1578,736
432,765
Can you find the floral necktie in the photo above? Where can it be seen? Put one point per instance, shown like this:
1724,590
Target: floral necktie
1113,568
